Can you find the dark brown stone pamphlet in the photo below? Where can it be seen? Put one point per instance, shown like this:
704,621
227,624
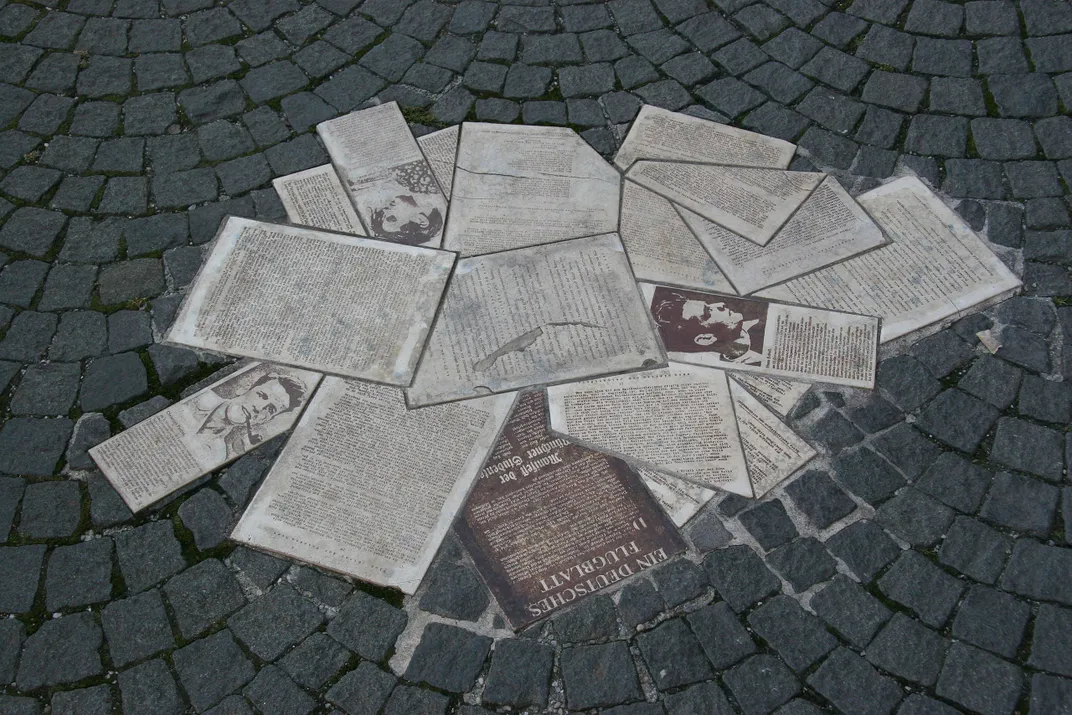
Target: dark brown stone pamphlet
549,522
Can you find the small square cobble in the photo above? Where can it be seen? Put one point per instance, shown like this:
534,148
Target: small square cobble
1028,447
992,380
136,627
1021,503
853,685
520,674
79,575
908,650
799,637
367,626
958,419
864,547
740,576
212,668
850,610
769,524
673,655
992,620
202,596
915,517
979,681
722,636
148,554
956,482
975,549
599,676
761,684
916,582
803,562
867,475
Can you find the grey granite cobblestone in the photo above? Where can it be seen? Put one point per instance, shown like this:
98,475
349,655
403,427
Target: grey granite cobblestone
128,129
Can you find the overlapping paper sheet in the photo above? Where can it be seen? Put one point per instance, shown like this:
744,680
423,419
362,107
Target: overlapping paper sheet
440,148
315,197
779,394
678,420
680,499
663,135
936,267
661,247
828,227
368,488
517,186
168,450
753,203
770,338
534,316
323,301
550,522
387,177
694,423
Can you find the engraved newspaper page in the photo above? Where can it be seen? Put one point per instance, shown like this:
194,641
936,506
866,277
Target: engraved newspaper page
550,522
535,316
322,301
386,175
681,500
517,186
315,197
772,450
368,488
208,429
753,203
660,246
439,149
778,394
677,420
663,135
756,335
935,269
829,227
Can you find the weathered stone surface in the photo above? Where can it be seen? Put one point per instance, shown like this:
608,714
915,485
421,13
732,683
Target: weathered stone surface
63,650
740,576
136,627
448,658
799,637
925,588
21,566
722,637
202,596
79,575
908,650
275,621
363,690
149,688
212,668
520,674
148,554
367,626
850,610
864,547
51,510
599,676
591,619
978,680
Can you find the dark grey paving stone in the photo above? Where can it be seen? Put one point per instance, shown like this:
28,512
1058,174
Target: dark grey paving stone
1050,649
916,582
113,380
867,475
1023,95
1021,503
95,700
915,517
32,230
956,482
721,635
106,507
79,575
992,620
875,414
907,449
937,135
591,619
46,389
906,382
275,622
214,101
740,576
852,685
11,490
975,549
864,547
148,554
149,688
803,562
673,655
212,668
21,566
51,510
775,120
908,650
27,338
202,596
1028,447
850,610
520,674
320,587
730,96
367,626
943,352
599,676
20,705
142,411
1050,694
835,433
769,524
992,380
973,178
638,603
1003,139
798,637
136,627
273,691
12,635
979,681
761,683
958,419
363,690
315,661
680,581
63,650
208,518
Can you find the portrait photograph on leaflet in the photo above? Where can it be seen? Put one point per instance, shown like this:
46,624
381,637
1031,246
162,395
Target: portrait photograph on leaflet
691,322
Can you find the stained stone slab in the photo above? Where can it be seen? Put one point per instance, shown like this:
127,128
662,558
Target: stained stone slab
62,650
850,610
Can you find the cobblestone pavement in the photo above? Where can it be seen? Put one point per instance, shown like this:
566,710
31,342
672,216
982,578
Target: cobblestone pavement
922,565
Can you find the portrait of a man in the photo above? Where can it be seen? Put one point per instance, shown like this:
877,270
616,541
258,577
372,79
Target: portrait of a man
410,206
694,322
239,411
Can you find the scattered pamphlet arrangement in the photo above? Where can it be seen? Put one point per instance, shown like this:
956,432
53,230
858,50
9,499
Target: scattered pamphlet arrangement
490,327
